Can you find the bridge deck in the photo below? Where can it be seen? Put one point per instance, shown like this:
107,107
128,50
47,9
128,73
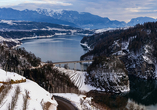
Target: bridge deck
72,62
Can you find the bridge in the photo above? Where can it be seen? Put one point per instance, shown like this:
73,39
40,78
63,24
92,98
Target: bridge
75,76
67,62
74,62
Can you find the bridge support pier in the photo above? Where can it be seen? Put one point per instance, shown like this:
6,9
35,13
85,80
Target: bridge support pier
82,67
74,66
68,66
88,64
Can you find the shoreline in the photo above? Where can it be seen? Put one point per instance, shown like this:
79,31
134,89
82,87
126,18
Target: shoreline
49,36
24,38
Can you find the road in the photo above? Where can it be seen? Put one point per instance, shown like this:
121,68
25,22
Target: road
64,104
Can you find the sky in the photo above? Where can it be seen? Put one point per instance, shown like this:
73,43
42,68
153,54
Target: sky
122,10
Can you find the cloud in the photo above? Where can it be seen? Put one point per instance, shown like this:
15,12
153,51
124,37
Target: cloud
121,9
54,2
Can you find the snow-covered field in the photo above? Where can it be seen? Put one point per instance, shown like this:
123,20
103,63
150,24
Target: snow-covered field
37,96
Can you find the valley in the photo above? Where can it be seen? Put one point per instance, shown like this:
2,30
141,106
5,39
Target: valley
120,74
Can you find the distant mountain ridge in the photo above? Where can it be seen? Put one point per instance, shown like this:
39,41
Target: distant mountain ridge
29,15
88,20
140,20
69,17
83,19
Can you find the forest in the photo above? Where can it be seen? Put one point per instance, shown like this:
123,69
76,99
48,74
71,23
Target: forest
101,43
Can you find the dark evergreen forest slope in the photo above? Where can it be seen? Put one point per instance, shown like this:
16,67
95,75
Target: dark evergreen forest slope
135,46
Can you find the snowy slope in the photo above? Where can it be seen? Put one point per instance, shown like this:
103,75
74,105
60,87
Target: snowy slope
37,96
78,75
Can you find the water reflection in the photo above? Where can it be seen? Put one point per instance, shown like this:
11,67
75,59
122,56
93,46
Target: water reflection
109,100
55,49
143,92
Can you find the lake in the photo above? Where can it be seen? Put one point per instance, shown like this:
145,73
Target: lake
68,48
57,49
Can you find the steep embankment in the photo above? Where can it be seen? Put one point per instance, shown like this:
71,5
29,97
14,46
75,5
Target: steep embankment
136,47
109,74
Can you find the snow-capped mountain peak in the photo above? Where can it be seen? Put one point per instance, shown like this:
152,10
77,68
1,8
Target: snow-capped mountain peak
49,12
81,19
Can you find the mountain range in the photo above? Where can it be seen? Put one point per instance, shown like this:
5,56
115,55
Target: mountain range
68,17
29,15
83,19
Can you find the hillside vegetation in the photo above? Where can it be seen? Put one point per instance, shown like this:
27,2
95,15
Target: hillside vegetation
109,74
136,47
27,64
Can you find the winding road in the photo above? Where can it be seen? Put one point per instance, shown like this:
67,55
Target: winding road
64,104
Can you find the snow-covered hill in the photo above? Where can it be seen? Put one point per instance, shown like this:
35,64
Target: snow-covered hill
23,94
